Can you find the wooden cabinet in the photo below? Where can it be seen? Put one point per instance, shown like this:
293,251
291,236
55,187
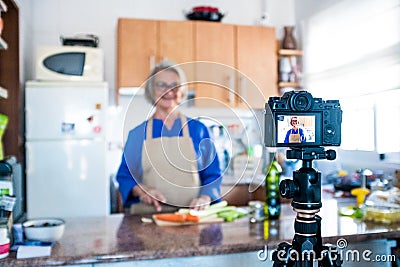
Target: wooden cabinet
143,43
226,65
175,41
257,62
249,76
136,51
214,56
10,80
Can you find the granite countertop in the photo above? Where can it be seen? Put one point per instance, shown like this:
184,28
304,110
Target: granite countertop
125,238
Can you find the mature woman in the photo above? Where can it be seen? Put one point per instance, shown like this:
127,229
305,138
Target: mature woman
169,160
295,134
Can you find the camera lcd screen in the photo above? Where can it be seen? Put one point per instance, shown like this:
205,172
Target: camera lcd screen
297,129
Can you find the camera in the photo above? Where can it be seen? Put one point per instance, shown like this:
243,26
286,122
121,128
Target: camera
297,120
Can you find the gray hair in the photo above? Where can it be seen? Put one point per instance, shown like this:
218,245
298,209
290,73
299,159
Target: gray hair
164,66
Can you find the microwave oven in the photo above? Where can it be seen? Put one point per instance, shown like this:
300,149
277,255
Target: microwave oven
69,63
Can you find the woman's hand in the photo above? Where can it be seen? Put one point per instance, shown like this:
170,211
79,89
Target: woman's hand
201,202
149,195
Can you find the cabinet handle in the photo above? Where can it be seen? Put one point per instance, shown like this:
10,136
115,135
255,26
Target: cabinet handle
152,62
231,89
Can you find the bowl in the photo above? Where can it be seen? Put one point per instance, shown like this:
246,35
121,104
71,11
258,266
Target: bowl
206,16
206,13
44,229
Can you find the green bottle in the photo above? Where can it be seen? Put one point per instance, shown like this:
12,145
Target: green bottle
272,198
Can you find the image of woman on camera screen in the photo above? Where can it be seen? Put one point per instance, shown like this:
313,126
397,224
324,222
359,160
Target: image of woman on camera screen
295,134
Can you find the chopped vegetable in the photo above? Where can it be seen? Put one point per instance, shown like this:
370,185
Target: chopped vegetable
220,204
208,212
177,217
192,218
231,215
171,217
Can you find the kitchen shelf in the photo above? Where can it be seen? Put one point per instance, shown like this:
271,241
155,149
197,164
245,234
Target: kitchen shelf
3,93
290,52
288,84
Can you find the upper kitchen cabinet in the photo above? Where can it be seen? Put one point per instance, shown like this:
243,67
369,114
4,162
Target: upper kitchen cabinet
215,55
175,41
141,44
257,63
244,73
136,51
226,65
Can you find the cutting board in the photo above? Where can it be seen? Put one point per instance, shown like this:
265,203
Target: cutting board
209,219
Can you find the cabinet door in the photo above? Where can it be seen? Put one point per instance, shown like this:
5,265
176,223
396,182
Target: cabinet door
257,61
176,43
136,51
215,44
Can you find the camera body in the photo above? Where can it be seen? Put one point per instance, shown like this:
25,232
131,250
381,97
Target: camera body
297,119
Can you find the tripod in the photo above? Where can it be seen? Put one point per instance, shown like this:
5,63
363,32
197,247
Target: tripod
305,190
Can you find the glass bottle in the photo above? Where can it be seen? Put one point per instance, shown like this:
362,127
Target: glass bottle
272,198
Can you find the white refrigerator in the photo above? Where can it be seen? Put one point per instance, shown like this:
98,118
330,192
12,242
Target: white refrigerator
66,166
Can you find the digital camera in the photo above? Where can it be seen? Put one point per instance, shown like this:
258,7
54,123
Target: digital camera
297,119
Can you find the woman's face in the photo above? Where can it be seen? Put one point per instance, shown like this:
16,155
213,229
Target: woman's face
294,123
167,94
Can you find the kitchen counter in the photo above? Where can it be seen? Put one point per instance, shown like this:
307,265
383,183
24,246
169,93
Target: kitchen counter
121,238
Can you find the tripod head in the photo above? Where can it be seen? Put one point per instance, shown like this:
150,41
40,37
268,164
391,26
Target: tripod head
310,153
305,188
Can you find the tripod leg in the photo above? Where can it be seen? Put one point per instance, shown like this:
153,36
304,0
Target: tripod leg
281,255
330,257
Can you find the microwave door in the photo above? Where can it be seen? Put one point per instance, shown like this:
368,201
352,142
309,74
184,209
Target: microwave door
68,63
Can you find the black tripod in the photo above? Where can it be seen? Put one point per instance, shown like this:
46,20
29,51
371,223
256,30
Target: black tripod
305,189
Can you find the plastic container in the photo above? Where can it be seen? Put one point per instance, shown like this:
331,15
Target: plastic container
4,243
386,215
256,211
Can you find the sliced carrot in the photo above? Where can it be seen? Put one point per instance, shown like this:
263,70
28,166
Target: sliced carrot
192,218
171,217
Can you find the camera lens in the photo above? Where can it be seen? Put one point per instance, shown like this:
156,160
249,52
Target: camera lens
301,101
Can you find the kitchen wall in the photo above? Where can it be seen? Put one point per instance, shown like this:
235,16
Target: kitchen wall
348,160
43,21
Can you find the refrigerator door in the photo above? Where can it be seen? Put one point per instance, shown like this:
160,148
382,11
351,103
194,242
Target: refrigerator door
67,178
65,110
